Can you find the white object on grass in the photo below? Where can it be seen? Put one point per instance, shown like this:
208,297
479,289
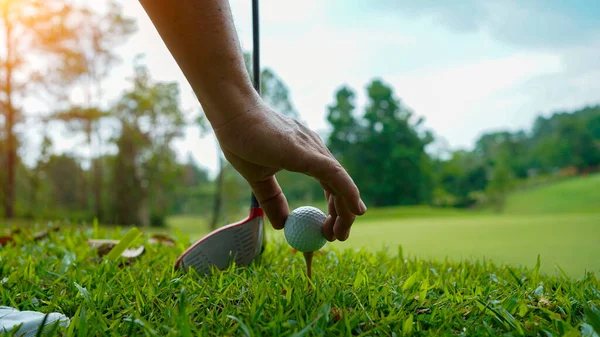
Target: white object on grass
303,229
29,321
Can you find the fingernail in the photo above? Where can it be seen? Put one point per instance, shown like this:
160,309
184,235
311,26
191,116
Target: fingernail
362,206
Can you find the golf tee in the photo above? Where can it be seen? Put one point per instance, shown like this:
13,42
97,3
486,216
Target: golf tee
308,258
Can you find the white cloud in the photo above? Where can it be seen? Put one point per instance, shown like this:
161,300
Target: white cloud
459,101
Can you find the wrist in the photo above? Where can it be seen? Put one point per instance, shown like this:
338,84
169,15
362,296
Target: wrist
229,101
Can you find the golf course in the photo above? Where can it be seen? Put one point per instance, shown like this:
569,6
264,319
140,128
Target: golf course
433,169
457,273
559,221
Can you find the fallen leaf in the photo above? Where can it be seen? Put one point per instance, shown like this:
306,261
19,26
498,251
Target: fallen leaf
36,237
103,247
99,242
40,235
132,253
336,314
544,301
162,239
5,240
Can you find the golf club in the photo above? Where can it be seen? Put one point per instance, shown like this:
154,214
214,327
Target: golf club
243,241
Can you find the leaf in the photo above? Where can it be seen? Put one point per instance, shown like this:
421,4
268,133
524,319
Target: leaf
588,331
536,269
40,235
410,281
400,254
407,326
6,239
162,239
114,254
572,333
83,291
361,278
593,317
523,309
538,291
133,252
82,320
424,289
67,260
244,327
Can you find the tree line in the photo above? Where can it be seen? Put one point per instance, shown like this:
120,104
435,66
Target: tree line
385,148
59,55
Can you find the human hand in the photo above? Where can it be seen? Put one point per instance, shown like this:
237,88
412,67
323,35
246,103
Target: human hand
261,142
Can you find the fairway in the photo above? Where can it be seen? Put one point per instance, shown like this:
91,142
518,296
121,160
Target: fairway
569,240
573,195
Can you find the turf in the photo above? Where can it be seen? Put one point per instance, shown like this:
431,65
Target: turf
567,240
361,293
573,195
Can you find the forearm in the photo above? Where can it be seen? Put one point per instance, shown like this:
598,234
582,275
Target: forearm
201,36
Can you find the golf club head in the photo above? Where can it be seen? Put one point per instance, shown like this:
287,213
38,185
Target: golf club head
240,242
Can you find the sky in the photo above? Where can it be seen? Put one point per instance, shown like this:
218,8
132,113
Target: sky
467,67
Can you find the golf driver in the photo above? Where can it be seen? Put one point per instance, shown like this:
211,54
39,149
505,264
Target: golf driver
240,242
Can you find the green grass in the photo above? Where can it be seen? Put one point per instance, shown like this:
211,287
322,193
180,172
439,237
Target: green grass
560,221
361,293
569,240
192,226
573,195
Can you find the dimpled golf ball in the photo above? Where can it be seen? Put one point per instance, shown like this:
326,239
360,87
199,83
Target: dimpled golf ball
303,229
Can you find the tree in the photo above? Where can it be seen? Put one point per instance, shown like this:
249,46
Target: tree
514,148
499,186
384,150
36,37
459,176
345,128
99,33
145,166
64,174
37,173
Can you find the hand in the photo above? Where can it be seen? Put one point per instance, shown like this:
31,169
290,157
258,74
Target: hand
261,142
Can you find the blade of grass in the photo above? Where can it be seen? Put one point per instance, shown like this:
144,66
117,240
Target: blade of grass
117,250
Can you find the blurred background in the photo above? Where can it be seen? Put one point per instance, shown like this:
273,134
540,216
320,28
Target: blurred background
472,128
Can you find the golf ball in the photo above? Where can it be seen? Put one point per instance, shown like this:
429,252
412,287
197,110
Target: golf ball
303,228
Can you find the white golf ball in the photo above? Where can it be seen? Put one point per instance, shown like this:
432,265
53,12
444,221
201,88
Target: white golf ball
303,229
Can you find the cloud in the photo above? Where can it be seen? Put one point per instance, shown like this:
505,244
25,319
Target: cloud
530,24
459,101
574,86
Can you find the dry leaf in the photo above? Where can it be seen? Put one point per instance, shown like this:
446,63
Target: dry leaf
6,239
162,239
36,237
45,233
132,253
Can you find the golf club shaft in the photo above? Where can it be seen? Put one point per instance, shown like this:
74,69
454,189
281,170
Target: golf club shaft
255,66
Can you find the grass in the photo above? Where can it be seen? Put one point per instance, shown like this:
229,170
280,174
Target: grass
567,240
361,293
192,226
574,195
560,221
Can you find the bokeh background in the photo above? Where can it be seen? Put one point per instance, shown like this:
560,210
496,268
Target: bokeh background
472,128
